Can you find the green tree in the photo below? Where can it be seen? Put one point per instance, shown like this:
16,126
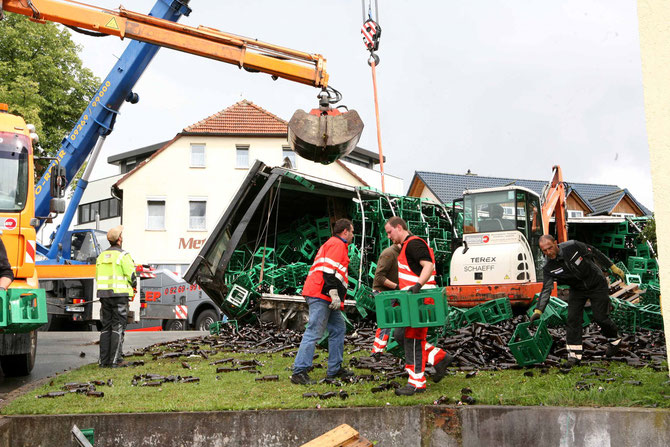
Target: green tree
42,77
649,233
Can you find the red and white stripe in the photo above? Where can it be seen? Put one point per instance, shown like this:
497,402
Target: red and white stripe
417,380
381,340
327,265
180,312
434,355
30,252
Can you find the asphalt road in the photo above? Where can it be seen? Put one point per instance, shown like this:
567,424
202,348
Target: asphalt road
62,351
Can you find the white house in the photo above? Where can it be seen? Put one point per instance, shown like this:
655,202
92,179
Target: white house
174,192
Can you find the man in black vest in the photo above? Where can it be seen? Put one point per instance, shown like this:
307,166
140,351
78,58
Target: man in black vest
579,266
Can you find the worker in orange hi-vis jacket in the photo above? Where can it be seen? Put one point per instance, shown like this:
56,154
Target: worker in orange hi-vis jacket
325,290
416,269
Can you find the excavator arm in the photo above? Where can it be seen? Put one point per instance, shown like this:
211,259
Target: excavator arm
554,206
337,132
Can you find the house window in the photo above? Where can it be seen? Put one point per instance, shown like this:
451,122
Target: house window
623,215
242,156
575,213
197,210
286,152
197,155
155,214
106,209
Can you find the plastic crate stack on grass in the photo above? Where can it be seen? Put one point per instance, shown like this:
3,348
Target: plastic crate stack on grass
530,348
650,317
624,314
490,312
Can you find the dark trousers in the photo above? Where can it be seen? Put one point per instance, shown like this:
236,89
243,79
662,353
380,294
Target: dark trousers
114,321
600,302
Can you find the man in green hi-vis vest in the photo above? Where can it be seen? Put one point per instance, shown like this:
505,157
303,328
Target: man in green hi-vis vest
115,275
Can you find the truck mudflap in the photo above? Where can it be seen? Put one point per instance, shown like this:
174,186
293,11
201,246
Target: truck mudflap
470,296
324,137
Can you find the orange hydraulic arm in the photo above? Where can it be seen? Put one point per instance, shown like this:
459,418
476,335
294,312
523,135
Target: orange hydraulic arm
554,205
251,54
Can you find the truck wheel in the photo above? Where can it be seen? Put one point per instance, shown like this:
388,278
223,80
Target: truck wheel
20,364
205,319
175,325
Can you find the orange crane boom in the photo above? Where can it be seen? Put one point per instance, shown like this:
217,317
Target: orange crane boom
250,54
554,205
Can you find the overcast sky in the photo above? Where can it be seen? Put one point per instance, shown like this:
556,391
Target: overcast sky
503,88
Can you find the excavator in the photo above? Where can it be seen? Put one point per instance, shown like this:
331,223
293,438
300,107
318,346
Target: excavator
499,255
323,135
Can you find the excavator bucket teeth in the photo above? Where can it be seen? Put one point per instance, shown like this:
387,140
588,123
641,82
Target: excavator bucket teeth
324,138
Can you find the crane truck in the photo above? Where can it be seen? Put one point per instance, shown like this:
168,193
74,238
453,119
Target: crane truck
23,305
324,134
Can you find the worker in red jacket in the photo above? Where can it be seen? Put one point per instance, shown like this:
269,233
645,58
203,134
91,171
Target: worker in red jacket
325,290
416,269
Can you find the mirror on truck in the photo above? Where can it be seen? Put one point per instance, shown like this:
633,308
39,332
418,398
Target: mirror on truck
58,185
58,181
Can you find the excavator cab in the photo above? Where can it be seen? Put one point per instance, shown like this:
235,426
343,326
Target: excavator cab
326,134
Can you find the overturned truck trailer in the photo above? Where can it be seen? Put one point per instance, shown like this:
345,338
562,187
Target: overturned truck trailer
257,257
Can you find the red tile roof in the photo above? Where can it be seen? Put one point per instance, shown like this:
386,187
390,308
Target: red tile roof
242,118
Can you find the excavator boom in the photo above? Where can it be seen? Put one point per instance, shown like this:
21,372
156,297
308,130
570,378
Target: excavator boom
554,206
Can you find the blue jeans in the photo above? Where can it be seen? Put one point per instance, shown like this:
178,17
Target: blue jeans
320,318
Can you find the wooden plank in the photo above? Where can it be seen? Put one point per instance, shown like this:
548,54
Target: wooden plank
337,437
361,442
624,290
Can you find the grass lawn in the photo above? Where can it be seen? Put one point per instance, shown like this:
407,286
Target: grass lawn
603,384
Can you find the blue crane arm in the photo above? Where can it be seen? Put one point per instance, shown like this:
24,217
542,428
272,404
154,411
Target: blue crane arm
99,116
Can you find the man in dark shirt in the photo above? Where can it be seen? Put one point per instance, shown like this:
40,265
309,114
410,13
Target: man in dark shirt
6,274
579,266
386,278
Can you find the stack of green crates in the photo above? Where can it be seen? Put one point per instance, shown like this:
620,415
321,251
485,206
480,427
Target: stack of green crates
650,317
624,314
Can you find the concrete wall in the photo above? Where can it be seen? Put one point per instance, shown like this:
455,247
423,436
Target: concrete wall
389,426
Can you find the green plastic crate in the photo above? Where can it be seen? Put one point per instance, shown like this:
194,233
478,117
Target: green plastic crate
528,348
392,309
633,279
27,309
365,298
643,251
606,240
624,314
427,308
618,241
650,317
622,228
636,263
456,318
556,312
491,312
651,295
3,308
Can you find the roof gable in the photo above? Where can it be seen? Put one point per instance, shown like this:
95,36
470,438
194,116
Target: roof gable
242,118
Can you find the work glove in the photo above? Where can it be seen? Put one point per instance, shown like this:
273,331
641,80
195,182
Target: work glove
536,316
335,302
416,288
618,272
